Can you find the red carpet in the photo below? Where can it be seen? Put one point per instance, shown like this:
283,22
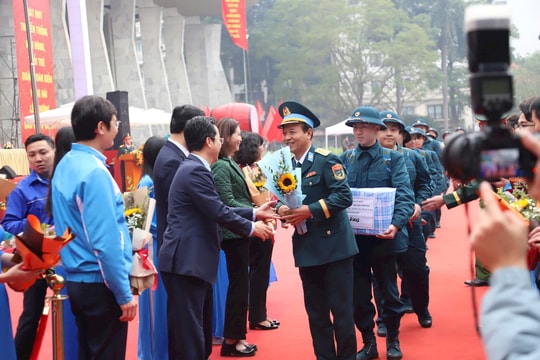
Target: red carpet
453,335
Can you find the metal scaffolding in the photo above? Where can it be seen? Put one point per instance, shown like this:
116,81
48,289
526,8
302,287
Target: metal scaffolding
10,127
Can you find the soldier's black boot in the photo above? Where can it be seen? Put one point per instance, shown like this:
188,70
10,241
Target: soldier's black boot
393,351
369,351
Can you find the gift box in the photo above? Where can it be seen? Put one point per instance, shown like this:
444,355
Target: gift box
372,210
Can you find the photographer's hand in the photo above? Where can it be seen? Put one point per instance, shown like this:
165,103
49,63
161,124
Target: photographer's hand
500,237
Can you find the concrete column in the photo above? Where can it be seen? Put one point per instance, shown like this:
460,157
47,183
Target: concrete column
124,62
209,85
63,70
175,62
155,74
80,56
101,69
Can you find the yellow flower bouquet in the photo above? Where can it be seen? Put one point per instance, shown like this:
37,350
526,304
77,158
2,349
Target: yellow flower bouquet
284,181
139,210
518,200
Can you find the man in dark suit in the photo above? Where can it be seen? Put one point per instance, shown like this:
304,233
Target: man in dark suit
324,254
169,158
188,257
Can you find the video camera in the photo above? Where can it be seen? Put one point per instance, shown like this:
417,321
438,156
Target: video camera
494,152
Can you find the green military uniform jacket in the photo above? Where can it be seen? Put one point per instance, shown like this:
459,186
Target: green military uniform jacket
231,187
464,194
329,236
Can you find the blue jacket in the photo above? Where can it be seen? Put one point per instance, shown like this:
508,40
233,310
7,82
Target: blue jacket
29,197
86,199
378,167
418,173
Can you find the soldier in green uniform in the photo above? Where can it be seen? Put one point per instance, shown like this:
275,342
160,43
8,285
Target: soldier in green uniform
324,254
369,165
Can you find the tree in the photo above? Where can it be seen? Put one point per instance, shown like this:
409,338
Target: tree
526,71
335,57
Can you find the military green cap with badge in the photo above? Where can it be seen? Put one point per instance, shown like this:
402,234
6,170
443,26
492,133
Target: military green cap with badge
365,115
420,123
388,116
296,113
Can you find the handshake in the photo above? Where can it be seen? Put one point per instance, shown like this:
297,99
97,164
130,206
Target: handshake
264,226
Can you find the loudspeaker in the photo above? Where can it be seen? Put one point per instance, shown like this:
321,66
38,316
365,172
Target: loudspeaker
120,101
8,172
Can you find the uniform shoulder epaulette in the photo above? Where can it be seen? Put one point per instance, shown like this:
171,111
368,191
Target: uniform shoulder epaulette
322,151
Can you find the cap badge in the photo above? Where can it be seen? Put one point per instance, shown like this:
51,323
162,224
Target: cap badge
388,116
357,113
286,111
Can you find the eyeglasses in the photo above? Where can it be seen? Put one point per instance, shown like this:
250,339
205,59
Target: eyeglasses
524,125
117,123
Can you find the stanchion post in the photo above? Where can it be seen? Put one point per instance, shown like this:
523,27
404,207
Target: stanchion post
56,283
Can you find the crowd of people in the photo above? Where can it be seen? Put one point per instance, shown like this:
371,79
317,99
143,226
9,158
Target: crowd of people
213,234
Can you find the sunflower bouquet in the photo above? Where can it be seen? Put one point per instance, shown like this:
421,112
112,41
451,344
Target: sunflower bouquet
139,210
284,181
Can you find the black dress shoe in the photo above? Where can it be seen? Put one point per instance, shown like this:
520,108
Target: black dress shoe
425,320
258,326
393,351
275,321
476,282
231,350
369,351
381,330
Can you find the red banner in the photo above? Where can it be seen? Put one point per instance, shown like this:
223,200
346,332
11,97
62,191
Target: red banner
234,18
40,27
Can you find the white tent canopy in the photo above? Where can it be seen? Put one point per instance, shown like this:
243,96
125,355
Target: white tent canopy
338,129
143,123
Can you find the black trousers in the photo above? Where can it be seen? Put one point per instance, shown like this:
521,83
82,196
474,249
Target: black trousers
260,256
33,302
236,305
101,334
328,289
189,316
376,256
416,275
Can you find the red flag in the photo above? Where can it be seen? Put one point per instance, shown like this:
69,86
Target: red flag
234,18
276,134
260,110
271,132
268,122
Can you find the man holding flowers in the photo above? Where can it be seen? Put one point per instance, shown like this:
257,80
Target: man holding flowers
324,250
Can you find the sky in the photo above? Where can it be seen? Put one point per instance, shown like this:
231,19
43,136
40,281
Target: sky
525,18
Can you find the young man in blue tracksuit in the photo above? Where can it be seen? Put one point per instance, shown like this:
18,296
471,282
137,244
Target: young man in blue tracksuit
98,261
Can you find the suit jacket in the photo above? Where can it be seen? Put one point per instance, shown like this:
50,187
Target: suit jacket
329,237
191,242
167,162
